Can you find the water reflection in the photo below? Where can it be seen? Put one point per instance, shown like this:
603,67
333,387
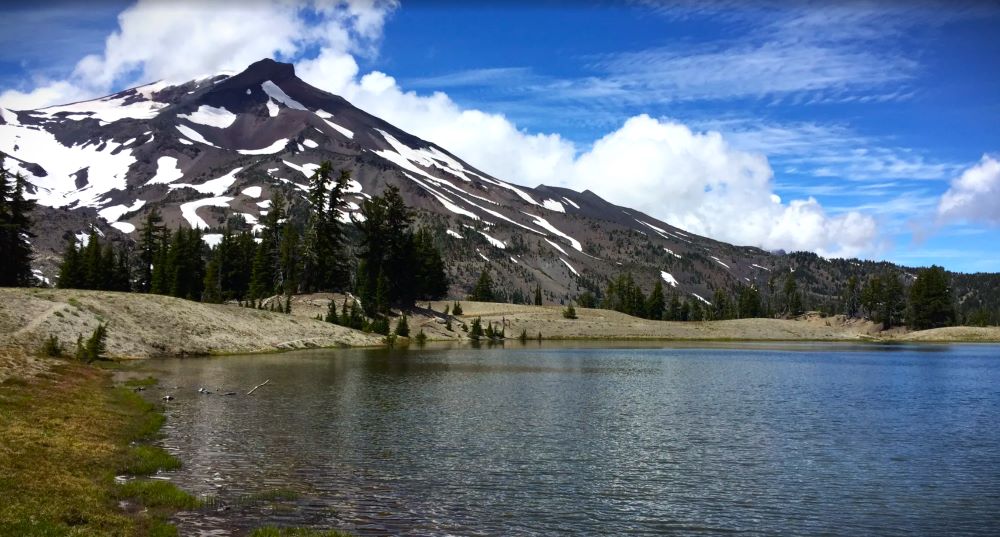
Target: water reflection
529,440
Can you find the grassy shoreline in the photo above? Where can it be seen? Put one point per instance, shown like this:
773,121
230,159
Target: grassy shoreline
65,434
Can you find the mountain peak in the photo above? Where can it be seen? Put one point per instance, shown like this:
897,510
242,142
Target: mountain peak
263,70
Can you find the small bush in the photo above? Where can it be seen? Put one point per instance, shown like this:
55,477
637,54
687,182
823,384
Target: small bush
421,337
51,347
569,312
402,327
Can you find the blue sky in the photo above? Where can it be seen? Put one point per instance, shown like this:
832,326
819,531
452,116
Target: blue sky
872,110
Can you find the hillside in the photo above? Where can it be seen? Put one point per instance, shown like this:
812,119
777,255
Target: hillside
217,150
143,326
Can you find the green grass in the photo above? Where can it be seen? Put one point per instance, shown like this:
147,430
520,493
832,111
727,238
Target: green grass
147,460
274,531
144,382
157,494
64,435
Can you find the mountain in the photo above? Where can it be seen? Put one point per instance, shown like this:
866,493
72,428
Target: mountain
211,148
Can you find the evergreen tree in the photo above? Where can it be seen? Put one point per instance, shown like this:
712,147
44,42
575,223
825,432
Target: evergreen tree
264,277
96,345
402,327
71,269
793,299
456,308
15,230
569,312
149,243
851,299
749,303
331,312
655,304
538,294
476,330
587,300
483,291
931,304
213,283
674,312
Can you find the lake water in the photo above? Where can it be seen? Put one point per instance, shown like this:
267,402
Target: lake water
529,440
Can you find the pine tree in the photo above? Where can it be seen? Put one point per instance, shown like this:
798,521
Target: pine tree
931,304
476,331
149,242
402,327
331,313
748,305
483,291
15,231
655,303
851,299
71,269
538,294
569,312
96,345
456,308
213,283
674,312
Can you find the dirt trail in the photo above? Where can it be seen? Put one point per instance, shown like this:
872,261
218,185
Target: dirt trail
39,319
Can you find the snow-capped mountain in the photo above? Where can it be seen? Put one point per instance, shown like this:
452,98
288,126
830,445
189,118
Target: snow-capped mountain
208,148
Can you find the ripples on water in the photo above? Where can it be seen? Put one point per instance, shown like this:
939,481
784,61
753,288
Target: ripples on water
845,440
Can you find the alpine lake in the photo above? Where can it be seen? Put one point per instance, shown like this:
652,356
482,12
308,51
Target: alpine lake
591,439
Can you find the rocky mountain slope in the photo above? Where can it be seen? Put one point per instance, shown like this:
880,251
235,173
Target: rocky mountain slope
212,148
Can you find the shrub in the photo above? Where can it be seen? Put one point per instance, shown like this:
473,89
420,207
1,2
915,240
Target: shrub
51,347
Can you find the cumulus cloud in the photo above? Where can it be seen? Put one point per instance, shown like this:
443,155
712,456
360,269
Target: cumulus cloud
974,195
694,180
178,41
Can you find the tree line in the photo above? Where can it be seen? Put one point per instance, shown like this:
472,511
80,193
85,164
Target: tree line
283,256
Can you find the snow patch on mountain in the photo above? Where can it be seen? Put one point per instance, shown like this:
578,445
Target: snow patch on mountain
669,278
671,252
272,108
124,227
113,213
573,270
571,202
252,191
9,117
194,135
211,116
189,210
105,171
107,109
717,260
454,233
273,91
307,169
538,220
696,295
497,243
769,270
276,147
556,246
553,205
216,187
342,130
311,144
167,171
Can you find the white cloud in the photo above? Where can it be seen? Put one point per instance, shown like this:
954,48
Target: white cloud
691,179
178,41
975,195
